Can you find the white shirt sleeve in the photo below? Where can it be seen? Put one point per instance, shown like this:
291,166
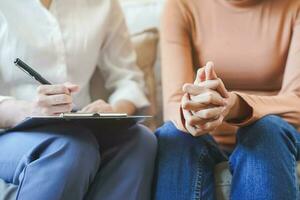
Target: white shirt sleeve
117,62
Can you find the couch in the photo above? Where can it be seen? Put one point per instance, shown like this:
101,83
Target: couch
143,21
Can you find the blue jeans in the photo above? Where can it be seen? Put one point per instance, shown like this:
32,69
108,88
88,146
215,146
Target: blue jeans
263,164
70,162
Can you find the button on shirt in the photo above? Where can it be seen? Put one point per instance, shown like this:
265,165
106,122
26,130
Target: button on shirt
67,43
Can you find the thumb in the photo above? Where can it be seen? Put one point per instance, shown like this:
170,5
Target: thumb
210,73
72,87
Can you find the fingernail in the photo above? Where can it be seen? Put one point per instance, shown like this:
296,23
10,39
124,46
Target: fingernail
210,63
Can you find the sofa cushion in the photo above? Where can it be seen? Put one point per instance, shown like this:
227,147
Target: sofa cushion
222,181
145,44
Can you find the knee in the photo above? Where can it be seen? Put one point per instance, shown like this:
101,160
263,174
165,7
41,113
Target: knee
270,131
168,133
168,130
178,151
173,141
144,139
268,142
265,123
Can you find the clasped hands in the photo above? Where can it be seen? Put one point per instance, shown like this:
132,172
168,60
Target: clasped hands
206,104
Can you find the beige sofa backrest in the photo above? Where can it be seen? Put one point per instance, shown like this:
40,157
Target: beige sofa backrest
145,44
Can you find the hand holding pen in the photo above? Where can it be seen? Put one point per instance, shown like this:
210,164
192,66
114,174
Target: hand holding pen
55,99
51,99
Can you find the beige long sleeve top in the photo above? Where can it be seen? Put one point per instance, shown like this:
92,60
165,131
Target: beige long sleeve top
255,45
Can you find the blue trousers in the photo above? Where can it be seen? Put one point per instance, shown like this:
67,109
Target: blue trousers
69,162
263,164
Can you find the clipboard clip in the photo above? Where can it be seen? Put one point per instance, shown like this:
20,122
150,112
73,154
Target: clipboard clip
100,115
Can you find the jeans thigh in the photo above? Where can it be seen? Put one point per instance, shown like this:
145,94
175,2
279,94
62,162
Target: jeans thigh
19,147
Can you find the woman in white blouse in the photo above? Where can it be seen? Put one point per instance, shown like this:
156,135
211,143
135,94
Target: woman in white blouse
65,41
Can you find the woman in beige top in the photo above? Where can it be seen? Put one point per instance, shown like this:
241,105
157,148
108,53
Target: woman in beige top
66,41
242,106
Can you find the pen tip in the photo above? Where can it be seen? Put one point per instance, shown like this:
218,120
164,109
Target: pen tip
16,61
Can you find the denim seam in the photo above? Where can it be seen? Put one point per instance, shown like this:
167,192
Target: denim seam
297,154
295,178
198,182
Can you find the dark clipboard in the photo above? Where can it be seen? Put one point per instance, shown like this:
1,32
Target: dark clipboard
99,121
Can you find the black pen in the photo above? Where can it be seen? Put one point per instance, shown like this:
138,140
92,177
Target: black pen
31,72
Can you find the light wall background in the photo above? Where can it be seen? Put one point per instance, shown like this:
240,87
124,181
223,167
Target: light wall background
142,14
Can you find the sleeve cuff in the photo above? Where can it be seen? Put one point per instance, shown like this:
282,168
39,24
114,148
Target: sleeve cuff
254,114
131,92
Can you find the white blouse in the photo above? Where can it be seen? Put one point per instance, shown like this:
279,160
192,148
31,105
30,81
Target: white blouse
67,43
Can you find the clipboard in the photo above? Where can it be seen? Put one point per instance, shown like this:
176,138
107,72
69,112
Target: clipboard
101,121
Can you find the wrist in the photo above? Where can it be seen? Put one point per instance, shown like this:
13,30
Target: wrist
239,111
